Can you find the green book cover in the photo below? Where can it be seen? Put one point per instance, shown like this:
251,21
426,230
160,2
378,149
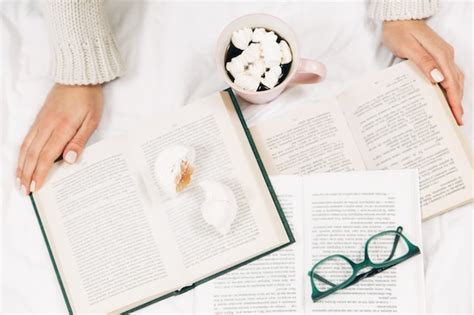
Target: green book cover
187,288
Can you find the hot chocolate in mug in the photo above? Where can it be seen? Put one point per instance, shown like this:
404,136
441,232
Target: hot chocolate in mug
302,71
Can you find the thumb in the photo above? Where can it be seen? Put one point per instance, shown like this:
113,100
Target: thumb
425,62
78,142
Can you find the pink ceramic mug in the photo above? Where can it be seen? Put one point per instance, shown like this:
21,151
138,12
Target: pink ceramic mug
302,71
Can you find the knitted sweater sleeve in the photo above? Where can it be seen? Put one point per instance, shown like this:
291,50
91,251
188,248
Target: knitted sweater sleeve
392,10
83,48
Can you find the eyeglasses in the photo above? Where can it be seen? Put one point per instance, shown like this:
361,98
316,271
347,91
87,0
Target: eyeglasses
382,251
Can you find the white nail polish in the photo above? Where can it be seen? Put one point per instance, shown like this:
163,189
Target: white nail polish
32,186
71,157
18,183
437,75
23,190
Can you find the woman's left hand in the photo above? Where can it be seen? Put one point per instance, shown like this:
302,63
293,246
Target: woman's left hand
416,41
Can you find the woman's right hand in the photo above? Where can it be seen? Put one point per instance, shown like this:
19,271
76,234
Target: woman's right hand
65,123
415,40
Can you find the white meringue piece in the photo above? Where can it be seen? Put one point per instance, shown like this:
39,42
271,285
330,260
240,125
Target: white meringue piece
251,53
258,34
236,66
257,69
271,53
241,38
174,168
271,77
286,55
219,208
247,81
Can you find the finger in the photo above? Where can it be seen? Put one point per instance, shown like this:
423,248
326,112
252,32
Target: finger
31,159
461,81
425,62
453,88
453,96
443,53
78,142
22,156
51,151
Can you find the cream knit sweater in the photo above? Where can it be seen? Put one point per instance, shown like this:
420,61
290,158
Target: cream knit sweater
83,47
84,50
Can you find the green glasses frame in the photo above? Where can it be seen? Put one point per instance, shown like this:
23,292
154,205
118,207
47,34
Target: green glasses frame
356,267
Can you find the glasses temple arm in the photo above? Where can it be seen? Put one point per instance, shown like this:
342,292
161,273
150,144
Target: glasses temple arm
395,243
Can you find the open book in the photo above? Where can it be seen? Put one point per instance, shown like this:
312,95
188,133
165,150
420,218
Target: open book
118,242
332,213
395,119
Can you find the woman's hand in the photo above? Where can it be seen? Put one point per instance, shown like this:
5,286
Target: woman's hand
416,41
67,119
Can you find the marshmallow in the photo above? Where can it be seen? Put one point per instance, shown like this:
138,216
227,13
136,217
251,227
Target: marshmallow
271,53
271,77
236,66
258,35
241,38
286,56
269,37
251,53
247,81
257,69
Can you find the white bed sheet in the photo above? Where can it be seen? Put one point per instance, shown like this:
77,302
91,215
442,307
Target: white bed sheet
169,49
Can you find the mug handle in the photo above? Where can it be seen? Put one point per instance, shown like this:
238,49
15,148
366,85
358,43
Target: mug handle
309,71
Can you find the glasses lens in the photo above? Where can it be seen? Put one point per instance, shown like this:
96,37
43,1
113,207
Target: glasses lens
331,273
387,247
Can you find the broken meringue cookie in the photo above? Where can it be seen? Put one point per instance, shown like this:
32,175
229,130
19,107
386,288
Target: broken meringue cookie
241,38
174,167
219,208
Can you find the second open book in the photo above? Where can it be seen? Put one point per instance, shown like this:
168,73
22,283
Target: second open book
395,119
330,213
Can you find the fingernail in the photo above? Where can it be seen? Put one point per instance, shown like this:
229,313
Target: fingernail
437,75
23,190
32,186
71,157
18,183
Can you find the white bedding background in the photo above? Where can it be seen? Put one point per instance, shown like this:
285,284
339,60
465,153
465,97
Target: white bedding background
169,50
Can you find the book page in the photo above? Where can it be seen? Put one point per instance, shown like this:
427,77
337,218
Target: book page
332,213
311,139
99,227
120,241
401,121
342,211
271,284
223,154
